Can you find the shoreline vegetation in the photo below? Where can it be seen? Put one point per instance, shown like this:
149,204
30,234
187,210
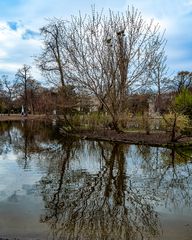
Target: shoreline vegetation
18,117
107,79
138,137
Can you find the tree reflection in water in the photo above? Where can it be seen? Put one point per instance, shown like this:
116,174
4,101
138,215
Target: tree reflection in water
114,200
169,174
105,205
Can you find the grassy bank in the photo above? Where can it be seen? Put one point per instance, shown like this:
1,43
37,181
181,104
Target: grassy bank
94,130
19,117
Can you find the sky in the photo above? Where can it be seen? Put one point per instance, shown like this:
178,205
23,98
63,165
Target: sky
20,21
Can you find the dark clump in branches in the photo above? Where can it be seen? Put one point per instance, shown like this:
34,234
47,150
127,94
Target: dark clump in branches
107,56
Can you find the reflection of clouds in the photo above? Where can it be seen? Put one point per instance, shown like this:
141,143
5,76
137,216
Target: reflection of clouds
2,194
29,189
12,177
167,174
13,198
87,186
86,160
8,157
19,203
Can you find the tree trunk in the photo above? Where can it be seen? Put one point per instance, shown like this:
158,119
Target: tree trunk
173,133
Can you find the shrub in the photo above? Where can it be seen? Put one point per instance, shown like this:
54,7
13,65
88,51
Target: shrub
183,102
182,121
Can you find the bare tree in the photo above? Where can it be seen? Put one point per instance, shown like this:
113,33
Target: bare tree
52,59
157,75
182,80
159,82
23,76
33,92
7,89
110,56
52,62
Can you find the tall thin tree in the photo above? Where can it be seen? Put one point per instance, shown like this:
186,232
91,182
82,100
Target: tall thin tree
23,76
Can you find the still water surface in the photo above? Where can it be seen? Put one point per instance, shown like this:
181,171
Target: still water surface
54,187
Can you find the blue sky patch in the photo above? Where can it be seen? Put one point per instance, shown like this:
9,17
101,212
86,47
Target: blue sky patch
29,34
13,25
24,18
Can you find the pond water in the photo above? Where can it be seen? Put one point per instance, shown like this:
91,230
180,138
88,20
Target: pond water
55,187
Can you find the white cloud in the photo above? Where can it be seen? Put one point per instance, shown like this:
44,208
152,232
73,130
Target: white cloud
2,53
174,16
15,50
9,67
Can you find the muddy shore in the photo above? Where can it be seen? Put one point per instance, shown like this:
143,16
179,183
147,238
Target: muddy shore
140,138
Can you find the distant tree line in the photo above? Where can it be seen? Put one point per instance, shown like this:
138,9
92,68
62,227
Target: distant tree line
106,57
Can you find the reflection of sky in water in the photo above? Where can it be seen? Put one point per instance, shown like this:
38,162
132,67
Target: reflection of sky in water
19,203
13,179
86,160
146,170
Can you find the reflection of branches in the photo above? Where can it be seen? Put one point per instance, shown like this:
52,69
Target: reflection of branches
178,190
27,144
170,175
184,153
55,201
5,133
97,206
29,139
